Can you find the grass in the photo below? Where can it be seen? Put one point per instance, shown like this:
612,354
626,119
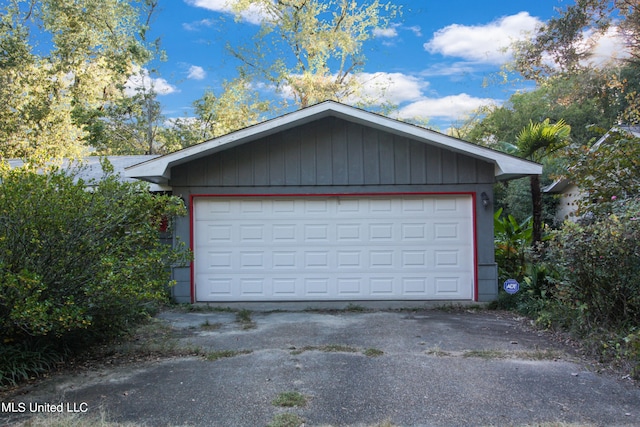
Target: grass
210,326
244,318
337,348
484,354
329,348
151,340
212,356
355,308
373,352
286,420
289,399
437,351
200,308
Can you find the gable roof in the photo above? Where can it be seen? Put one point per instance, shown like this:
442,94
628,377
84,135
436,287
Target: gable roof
633,131
158,170
560,185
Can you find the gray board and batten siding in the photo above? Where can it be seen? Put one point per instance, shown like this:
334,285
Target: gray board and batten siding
335,156
333,152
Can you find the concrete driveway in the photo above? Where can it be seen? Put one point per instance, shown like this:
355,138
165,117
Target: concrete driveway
404,368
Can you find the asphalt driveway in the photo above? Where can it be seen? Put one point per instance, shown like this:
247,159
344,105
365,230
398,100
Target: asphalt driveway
404,368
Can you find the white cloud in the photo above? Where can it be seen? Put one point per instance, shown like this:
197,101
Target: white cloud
253,15
606,47
392,87
142,79
389,32
454,69
196,73
449,107
417,31
407,91
483,43
196,25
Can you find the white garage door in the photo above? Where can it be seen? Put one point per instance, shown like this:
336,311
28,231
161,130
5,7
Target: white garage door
333,248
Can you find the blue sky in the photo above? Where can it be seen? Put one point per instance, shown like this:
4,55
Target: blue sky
440,58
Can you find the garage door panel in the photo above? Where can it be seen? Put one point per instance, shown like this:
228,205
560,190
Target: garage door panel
284,287
413,247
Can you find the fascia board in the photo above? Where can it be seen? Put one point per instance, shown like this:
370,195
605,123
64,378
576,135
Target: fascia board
506,166
159,170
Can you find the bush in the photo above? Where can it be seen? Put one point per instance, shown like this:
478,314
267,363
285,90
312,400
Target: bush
597,294
512,241
79,261
599,264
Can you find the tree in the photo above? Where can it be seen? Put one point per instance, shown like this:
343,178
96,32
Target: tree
95,45
608,172
130,124
535,142
568,38
318,45
583,100
236,107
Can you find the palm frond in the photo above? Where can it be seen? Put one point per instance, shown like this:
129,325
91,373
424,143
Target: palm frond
540,139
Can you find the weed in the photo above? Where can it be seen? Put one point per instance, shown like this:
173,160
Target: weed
152,338
290,399
539,355
286,420
484,354
244,318
210,326
385,423
222,354
200,308
373,352
354,308
329,348
437,351
338,348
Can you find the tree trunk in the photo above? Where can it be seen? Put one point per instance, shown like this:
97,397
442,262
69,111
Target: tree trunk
536,200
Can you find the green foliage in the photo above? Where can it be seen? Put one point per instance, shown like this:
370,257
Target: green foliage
610,171
537,140
290,399
286,420
21,361
582,100
512,240
78,263
236,107
560,43
600,265
46,94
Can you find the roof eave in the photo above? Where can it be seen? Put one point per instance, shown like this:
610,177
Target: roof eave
159,170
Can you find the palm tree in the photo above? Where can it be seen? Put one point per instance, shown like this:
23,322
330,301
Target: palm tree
535,142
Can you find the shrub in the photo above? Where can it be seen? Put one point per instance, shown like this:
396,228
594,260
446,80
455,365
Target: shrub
512,240
599,264
79,261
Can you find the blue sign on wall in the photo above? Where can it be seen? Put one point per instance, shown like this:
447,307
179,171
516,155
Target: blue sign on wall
511,286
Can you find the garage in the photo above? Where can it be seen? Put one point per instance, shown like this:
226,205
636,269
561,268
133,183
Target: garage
413,247
334,203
